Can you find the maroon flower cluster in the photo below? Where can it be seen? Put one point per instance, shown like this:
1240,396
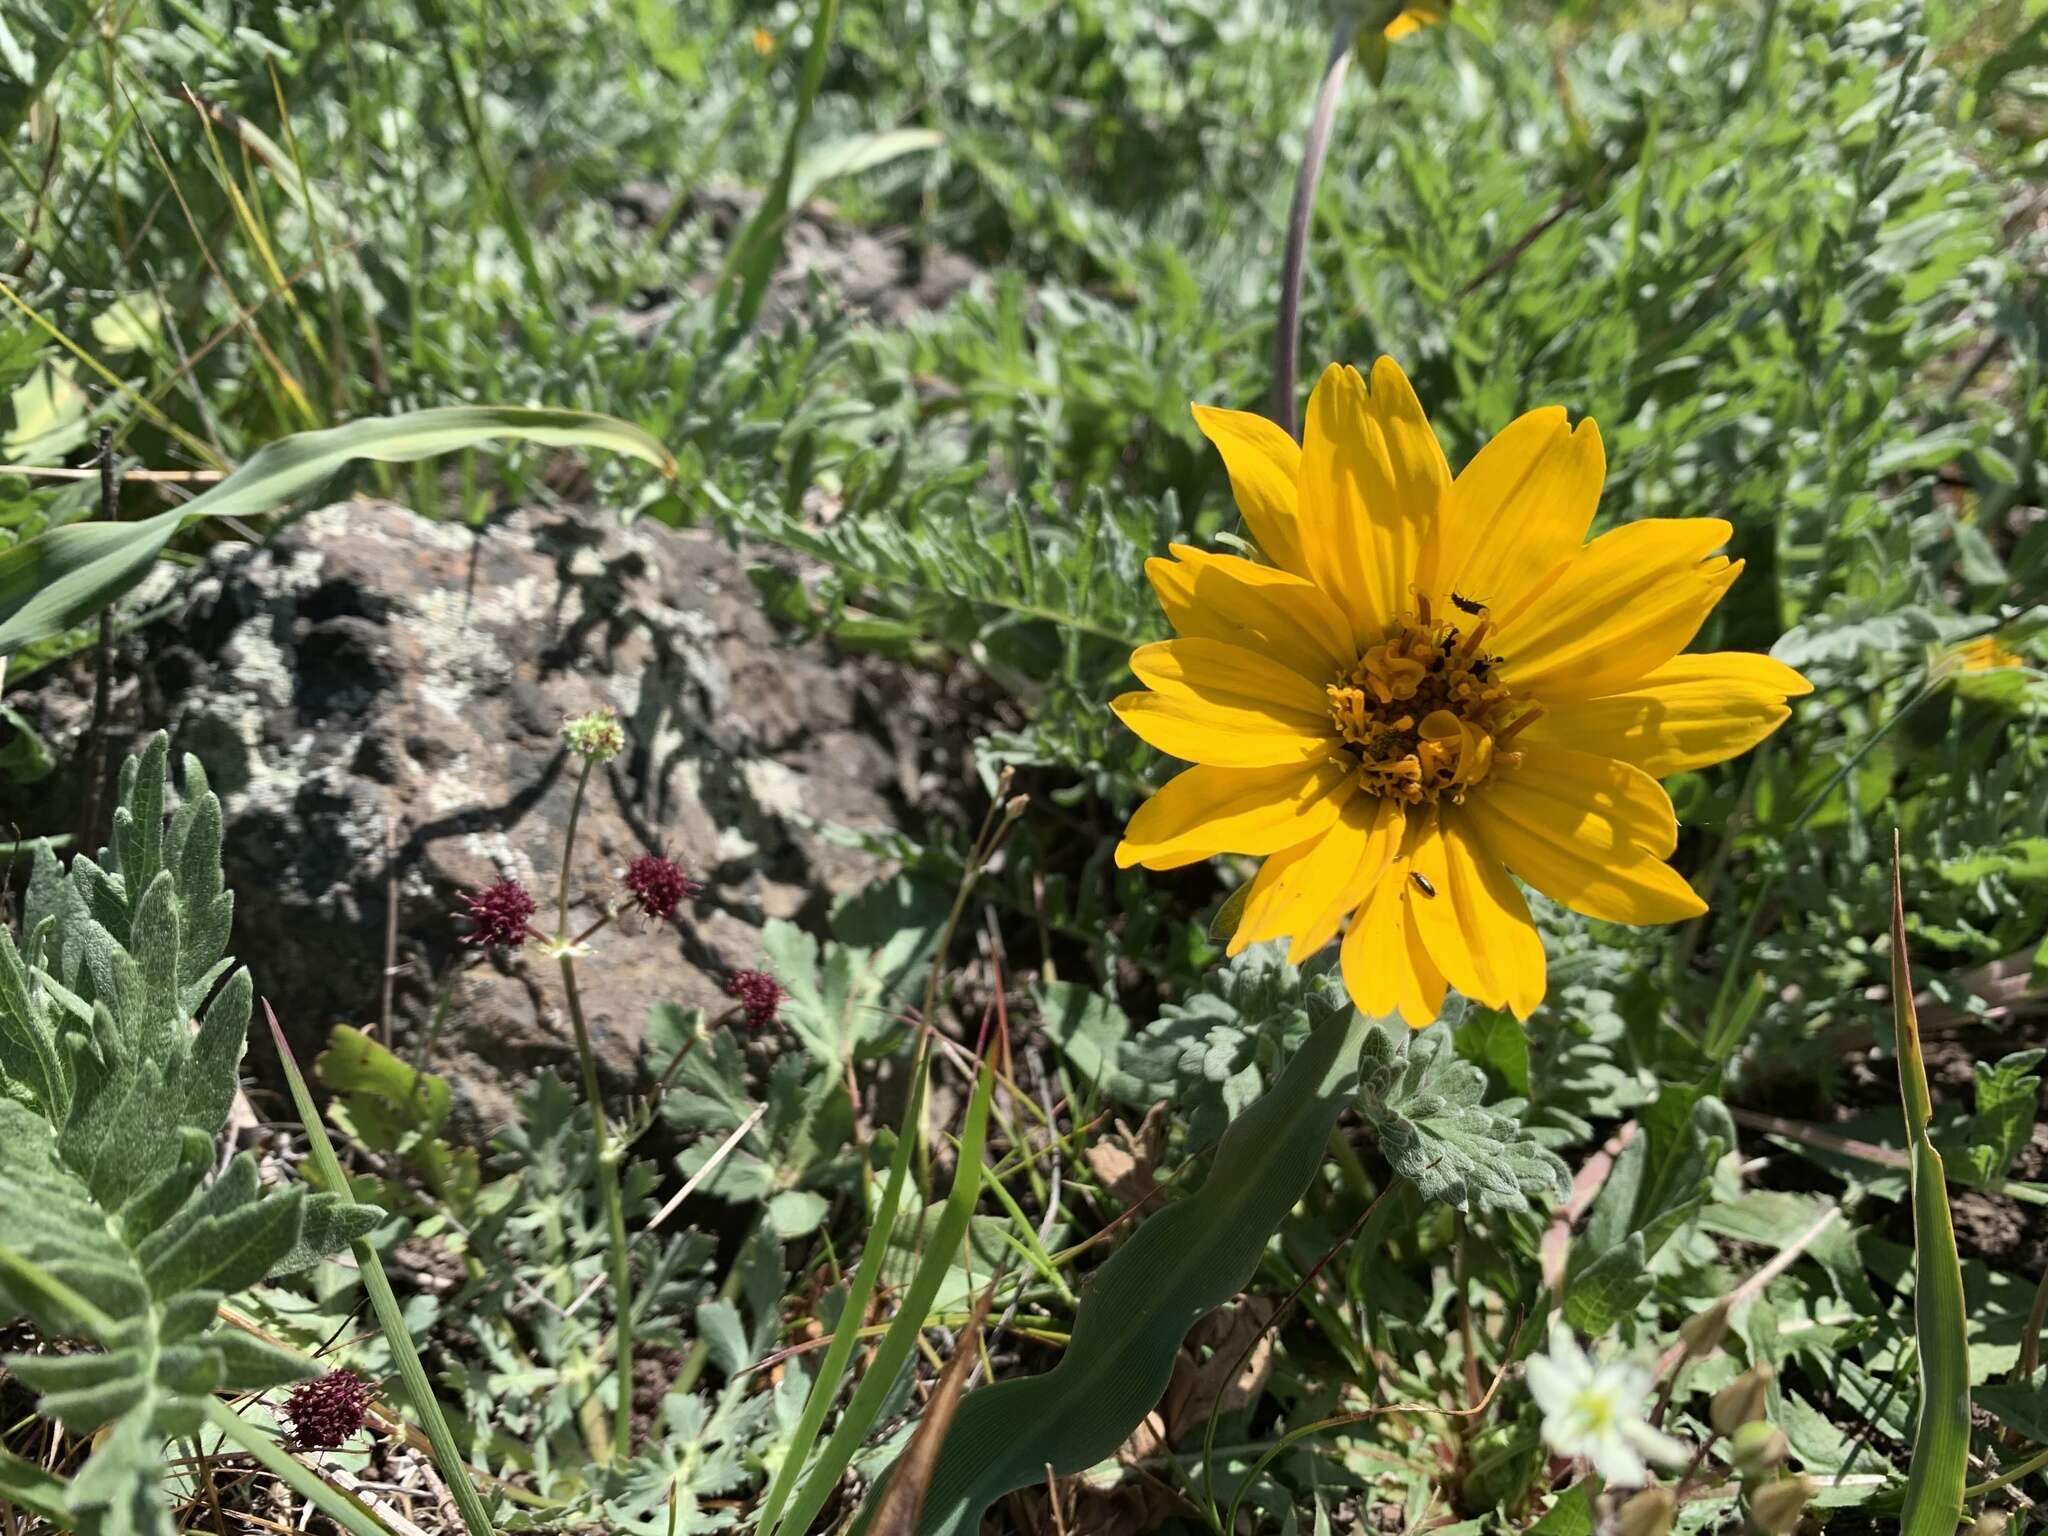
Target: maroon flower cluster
658,885
324,1412
501,914
760,994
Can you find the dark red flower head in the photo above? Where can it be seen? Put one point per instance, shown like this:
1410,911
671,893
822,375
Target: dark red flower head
500,913
326,1411
658,885
759,993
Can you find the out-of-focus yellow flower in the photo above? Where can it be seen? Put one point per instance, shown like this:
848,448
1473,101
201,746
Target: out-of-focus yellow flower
764,42
1435,682
1983,654
1413,19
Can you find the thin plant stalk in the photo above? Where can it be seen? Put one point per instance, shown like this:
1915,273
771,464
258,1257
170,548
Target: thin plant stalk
1287,333
605,1154
412,1374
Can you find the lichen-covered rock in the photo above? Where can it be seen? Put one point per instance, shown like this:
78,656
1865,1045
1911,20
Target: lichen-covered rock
378,697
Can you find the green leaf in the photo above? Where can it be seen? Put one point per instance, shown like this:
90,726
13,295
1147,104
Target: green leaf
1939,1464
752,260
2020,1405
109,1102
856,153
1423,1102
840,1352
796,1212
62,577
909,1321
1180,1264
2008,1098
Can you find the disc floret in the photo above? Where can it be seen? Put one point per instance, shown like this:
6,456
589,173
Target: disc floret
1424,712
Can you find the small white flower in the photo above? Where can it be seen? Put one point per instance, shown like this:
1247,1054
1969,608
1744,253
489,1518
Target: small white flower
1595,1410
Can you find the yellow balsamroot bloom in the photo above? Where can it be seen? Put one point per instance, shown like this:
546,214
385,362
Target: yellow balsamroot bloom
1436,682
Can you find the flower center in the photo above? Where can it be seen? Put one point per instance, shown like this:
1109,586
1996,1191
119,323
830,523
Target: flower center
1423,712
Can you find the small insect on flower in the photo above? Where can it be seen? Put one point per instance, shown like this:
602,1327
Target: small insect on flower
760,994
658,885
326,1411
501,914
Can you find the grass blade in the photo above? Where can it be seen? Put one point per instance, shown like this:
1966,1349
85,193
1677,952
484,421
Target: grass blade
1941,1438
847,1334
418,1390
753,256
60,578
1180,1264
901,1338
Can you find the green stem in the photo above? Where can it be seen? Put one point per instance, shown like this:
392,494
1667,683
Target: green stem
604,1156
2032,1464
343,1509
1287,332
412,1374
569,849
605,1161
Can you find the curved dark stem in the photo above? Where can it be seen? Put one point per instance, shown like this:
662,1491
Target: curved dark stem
1287,335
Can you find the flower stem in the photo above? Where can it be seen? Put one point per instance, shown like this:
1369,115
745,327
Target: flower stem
569,849
604,1156
1287,333
605,1164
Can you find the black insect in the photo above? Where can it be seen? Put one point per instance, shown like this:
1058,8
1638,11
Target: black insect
1421,885
1467,604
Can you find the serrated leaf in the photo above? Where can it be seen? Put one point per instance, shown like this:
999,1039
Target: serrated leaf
1424,1104
111,1232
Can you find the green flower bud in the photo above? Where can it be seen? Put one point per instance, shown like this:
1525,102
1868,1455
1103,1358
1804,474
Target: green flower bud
1757,1447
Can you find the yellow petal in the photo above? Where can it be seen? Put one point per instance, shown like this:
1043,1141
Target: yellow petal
1223,597
1688,713
1308,890
1517,512
1372,480
1599,802
1232,677
1624,606
1387,970
1477,927
1626,884
1186,726
1235,810
1264,465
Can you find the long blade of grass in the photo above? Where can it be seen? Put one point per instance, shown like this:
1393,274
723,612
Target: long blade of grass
412,1374
833,1370
1180,1264
897,1343
42,1494
59,578
751,261
1941,1439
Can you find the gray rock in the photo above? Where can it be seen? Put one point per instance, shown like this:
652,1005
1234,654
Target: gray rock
377,698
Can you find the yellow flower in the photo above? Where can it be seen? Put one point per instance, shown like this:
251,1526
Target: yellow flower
764,41
1413,19
1983,654
1435,682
